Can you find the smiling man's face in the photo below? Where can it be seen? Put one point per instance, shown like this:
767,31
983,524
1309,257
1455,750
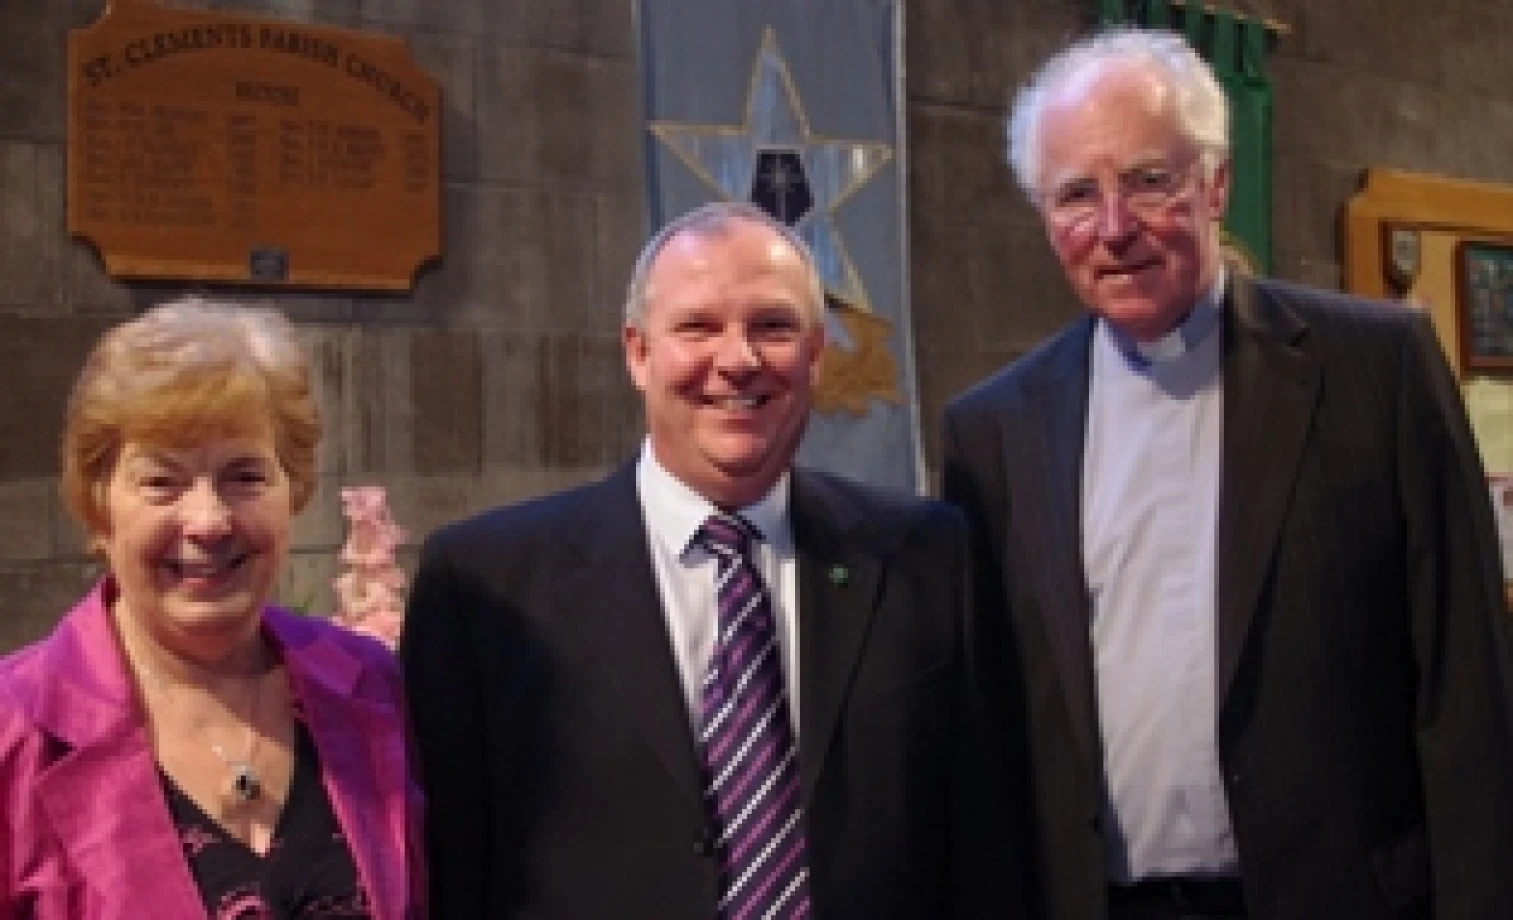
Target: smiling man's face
726,357
1131,209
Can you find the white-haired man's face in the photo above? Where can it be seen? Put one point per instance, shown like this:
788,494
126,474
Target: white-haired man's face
1130,207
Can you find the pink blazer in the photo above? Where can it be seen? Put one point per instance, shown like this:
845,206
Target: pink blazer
85,833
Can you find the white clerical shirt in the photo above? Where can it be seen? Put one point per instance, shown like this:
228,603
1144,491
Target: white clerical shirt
1150,506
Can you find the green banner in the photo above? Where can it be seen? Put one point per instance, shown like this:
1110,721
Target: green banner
1243,73
1110,11
1236,49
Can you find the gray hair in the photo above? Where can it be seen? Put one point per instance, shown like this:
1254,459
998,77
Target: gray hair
707,222
1201,108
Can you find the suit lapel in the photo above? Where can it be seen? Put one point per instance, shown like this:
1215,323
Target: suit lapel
103,795
838,581
1271,388
1054,457
613,595
105,802
361,740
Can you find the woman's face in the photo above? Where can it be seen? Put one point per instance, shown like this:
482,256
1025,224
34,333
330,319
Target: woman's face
195,536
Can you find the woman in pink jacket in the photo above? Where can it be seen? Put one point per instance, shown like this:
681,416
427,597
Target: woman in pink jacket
176,748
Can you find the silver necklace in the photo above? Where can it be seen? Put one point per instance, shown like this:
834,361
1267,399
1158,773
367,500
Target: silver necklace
245,785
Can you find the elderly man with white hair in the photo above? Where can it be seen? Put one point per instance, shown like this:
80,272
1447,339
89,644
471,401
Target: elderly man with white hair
1236,538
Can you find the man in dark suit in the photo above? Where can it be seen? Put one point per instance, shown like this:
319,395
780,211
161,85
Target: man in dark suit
1236,540
710,685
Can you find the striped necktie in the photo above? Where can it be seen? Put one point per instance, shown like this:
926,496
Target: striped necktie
751,775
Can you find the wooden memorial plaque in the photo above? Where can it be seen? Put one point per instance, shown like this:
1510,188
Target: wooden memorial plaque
227,148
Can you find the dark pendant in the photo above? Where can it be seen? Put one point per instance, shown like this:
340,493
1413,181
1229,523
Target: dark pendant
244,783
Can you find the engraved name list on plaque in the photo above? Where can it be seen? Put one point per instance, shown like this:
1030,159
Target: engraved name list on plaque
233,149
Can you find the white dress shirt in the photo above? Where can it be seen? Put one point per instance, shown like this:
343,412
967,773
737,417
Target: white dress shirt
686,574
1150,499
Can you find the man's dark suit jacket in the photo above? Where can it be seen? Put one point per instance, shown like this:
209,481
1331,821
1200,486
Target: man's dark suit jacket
1362,733
561,771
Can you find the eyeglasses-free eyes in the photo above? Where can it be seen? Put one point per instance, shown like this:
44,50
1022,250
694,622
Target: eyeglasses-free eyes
1145,190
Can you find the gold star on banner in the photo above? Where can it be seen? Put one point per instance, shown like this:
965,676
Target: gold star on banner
726,157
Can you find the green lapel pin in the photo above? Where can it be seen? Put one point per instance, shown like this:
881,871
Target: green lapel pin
839,575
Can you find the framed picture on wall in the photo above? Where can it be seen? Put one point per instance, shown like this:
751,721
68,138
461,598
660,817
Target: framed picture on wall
1502,509
1484,304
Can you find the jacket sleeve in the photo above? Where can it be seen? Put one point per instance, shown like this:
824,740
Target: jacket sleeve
9,788
444,691
1459,624
26,845
993,800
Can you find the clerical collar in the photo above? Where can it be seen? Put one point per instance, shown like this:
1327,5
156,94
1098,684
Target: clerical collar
1194,328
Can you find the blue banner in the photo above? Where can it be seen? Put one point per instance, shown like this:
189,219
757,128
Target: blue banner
796,106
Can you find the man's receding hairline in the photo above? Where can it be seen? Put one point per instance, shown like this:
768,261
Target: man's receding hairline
712,231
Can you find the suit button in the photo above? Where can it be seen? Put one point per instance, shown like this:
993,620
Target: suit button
1236,778
1096,824
703,843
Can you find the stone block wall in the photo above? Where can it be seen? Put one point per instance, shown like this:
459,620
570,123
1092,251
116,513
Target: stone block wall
498,379
501,377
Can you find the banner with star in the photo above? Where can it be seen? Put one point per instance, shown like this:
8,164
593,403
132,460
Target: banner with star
795,106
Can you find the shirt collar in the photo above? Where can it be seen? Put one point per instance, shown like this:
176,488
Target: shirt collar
1194,328
675,512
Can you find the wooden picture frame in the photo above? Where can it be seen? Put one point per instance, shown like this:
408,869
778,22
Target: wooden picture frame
1484,306
1502,512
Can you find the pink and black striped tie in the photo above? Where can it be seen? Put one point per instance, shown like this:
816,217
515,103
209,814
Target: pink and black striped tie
751,771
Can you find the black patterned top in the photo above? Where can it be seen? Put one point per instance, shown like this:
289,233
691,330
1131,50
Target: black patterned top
308,872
